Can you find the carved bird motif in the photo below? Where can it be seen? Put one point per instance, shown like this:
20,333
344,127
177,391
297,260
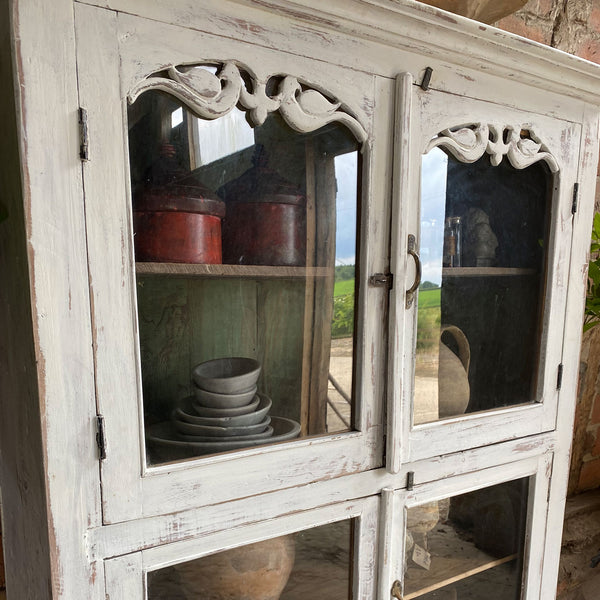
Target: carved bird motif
201,80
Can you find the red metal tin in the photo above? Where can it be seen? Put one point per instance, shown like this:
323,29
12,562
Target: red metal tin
177,223
266,219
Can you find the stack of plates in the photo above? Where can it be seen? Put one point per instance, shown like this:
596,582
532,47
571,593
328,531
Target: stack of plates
225,412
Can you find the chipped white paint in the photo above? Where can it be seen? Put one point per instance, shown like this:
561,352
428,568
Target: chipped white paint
469,144
212,96
338,62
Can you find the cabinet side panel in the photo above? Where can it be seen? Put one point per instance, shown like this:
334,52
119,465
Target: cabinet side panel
22,484
578,275
54,237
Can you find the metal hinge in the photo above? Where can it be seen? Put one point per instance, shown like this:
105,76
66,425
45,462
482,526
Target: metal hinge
83,135
100,437
575,198
559,377
410,480
382,280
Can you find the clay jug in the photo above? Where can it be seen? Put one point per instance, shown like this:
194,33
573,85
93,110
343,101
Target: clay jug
453,374
258,571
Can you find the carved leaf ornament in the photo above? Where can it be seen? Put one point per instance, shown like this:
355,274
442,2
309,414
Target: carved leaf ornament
469,144
212,95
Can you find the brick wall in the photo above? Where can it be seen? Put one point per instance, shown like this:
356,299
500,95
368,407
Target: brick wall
570,25
573,26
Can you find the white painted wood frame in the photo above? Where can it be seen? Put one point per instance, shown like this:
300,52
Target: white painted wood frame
130,489
424,114
396,502
77,527
129,573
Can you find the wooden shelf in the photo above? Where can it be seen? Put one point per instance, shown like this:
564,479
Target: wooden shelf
246,271
485,272
452,560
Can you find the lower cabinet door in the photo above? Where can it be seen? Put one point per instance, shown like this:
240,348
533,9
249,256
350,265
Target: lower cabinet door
328,552
468,537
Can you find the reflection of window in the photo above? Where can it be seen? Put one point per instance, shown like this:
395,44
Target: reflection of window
433,199
346,166
224,136
176,117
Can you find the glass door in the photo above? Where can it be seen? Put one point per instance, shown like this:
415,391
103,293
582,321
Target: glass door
483,238
326,552
226,238
245,247
474,536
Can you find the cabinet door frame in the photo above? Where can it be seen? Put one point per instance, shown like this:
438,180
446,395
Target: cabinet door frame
420,116
395,502
128,573
130,489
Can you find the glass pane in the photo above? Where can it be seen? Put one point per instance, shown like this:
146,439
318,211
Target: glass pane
469,546
245,243
315,563
482,246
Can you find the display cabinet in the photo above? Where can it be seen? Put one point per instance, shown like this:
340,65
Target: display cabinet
301,294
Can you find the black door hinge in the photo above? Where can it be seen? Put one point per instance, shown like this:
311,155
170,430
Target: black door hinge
382,280
83,135
575,198
559,377
100,437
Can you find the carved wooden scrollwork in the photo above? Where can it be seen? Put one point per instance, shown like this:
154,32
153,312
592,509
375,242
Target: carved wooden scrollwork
470,143
211,95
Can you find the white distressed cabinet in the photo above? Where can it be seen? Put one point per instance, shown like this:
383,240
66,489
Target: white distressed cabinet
391,208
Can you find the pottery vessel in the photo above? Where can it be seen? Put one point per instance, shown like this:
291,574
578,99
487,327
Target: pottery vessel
453,374
171,225
266,218
257,571
175,217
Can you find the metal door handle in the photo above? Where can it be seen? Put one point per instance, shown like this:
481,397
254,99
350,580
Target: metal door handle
410,293
397,590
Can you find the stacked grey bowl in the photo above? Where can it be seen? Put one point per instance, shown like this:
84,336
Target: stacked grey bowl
226,411
225,403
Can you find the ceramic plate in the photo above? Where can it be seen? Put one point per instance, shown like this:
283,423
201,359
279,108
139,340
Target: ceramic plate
186,413
212,431
164,435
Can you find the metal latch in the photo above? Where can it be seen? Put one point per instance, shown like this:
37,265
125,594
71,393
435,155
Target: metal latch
83,135
100,437
382,280
424,85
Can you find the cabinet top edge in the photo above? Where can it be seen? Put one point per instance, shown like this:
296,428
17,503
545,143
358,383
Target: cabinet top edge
406,24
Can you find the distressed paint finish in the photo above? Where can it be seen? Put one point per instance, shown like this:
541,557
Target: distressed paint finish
71,260
50,471
587,163
21,476
127,572
561,147
130,488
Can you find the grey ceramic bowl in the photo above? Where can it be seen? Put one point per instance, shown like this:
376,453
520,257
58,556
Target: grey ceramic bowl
214,400
231,375
206,411
188,414
219,431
